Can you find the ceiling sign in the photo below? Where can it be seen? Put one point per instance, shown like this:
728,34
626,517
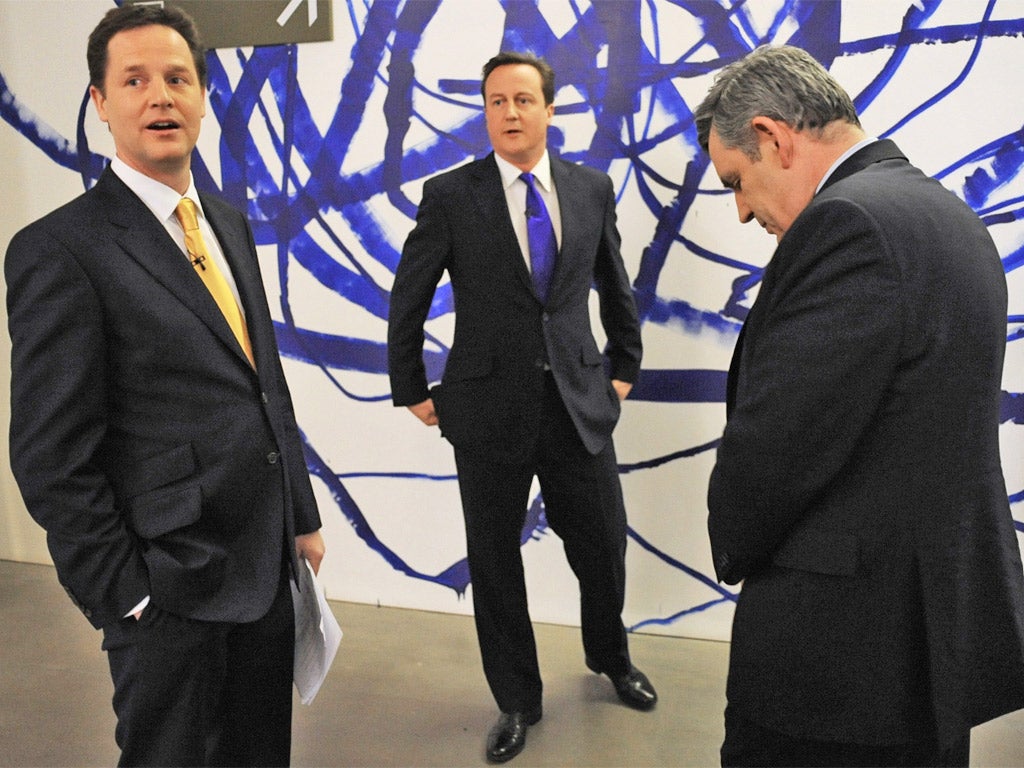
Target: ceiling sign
243,23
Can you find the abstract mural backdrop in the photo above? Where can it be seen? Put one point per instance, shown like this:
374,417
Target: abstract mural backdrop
326,147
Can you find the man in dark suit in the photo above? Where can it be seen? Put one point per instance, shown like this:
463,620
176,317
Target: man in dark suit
525,390
153,441
858,491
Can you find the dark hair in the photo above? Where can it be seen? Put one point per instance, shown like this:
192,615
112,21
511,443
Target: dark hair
547,74
782,82
132,17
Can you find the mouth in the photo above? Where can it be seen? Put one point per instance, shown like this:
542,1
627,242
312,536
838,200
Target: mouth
163,125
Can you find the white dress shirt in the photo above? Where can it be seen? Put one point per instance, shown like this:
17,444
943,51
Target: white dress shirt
162,200
515,197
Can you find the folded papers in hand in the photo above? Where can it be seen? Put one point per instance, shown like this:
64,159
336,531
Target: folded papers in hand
317,634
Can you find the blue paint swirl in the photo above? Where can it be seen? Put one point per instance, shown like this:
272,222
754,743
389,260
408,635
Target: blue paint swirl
337,227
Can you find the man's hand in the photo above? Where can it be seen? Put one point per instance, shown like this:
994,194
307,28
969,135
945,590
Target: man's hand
622,388
311,546
425,412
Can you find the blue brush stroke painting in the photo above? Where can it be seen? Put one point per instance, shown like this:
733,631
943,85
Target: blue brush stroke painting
326,224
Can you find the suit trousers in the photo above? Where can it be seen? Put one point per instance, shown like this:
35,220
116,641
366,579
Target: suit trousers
584,507
750,744
196,693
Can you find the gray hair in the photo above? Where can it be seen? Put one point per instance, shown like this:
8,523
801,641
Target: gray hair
783,83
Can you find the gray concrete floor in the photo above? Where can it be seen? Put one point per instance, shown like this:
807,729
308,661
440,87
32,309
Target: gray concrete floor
405,690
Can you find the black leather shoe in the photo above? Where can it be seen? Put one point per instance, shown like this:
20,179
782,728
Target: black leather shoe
508,736
633,688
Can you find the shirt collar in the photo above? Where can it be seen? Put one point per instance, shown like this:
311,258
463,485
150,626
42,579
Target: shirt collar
158,197
541,172
842,159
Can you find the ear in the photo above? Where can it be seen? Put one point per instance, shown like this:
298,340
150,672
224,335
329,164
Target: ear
776,137
99,101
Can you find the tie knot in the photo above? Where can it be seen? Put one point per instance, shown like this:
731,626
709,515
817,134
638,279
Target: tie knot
527,178
186,213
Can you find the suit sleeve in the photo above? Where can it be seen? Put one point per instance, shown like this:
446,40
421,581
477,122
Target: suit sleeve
420,269
617,305
821,346
58,418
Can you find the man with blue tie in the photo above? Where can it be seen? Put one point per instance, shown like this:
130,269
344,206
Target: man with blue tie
152,432
526,392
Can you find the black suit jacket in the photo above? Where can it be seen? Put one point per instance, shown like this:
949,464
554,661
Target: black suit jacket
858,487
158,461
490,397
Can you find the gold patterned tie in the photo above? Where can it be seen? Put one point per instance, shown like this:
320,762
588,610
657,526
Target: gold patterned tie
211,274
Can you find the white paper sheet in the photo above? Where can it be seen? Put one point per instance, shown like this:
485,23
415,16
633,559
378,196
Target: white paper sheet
317,634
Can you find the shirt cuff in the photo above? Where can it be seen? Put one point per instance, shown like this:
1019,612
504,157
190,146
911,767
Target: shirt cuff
138,608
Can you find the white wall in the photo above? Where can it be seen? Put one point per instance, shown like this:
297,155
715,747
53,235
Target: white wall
397,474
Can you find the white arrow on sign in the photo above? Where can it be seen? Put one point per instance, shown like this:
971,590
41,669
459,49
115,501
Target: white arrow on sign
292,7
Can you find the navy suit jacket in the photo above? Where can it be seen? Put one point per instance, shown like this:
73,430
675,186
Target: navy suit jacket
858,490
491,394
158,461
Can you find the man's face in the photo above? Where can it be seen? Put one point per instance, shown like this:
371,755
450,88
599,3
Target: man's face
764,190
517,117
152,101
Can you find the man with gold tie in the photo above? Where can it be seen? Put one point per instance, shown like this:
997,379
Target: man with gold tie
152,432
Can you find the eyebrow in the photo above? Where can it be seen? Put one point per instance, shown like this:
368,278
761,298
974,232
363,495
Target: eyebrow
517,94
176,69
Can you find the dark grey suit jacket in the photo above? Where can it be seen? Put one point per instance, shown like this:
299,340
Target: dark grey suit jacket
142,440
858,488
490,397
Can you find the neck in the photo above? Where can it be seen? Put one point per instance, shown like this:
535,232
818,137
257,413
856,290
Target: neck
820,152
177,176
836,139
524,164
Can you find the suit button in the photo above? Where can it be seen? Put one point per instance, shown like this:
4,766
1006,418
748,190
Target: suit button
272,457
264,398
539,363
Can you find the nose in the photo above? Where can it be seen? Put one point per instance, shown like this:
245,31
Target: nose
745,212
159,94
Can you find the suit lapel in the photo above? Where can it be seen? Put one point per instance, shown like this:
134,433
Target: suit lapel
564,178
245,271
144,239
489,196
734,373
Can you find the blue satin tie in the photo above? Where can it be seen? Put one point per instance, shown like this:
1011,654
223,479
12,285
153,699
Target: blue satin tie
541,237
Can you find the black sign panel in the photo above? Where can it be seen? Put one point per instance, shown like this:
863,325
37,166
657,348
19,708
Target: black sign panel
243,23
